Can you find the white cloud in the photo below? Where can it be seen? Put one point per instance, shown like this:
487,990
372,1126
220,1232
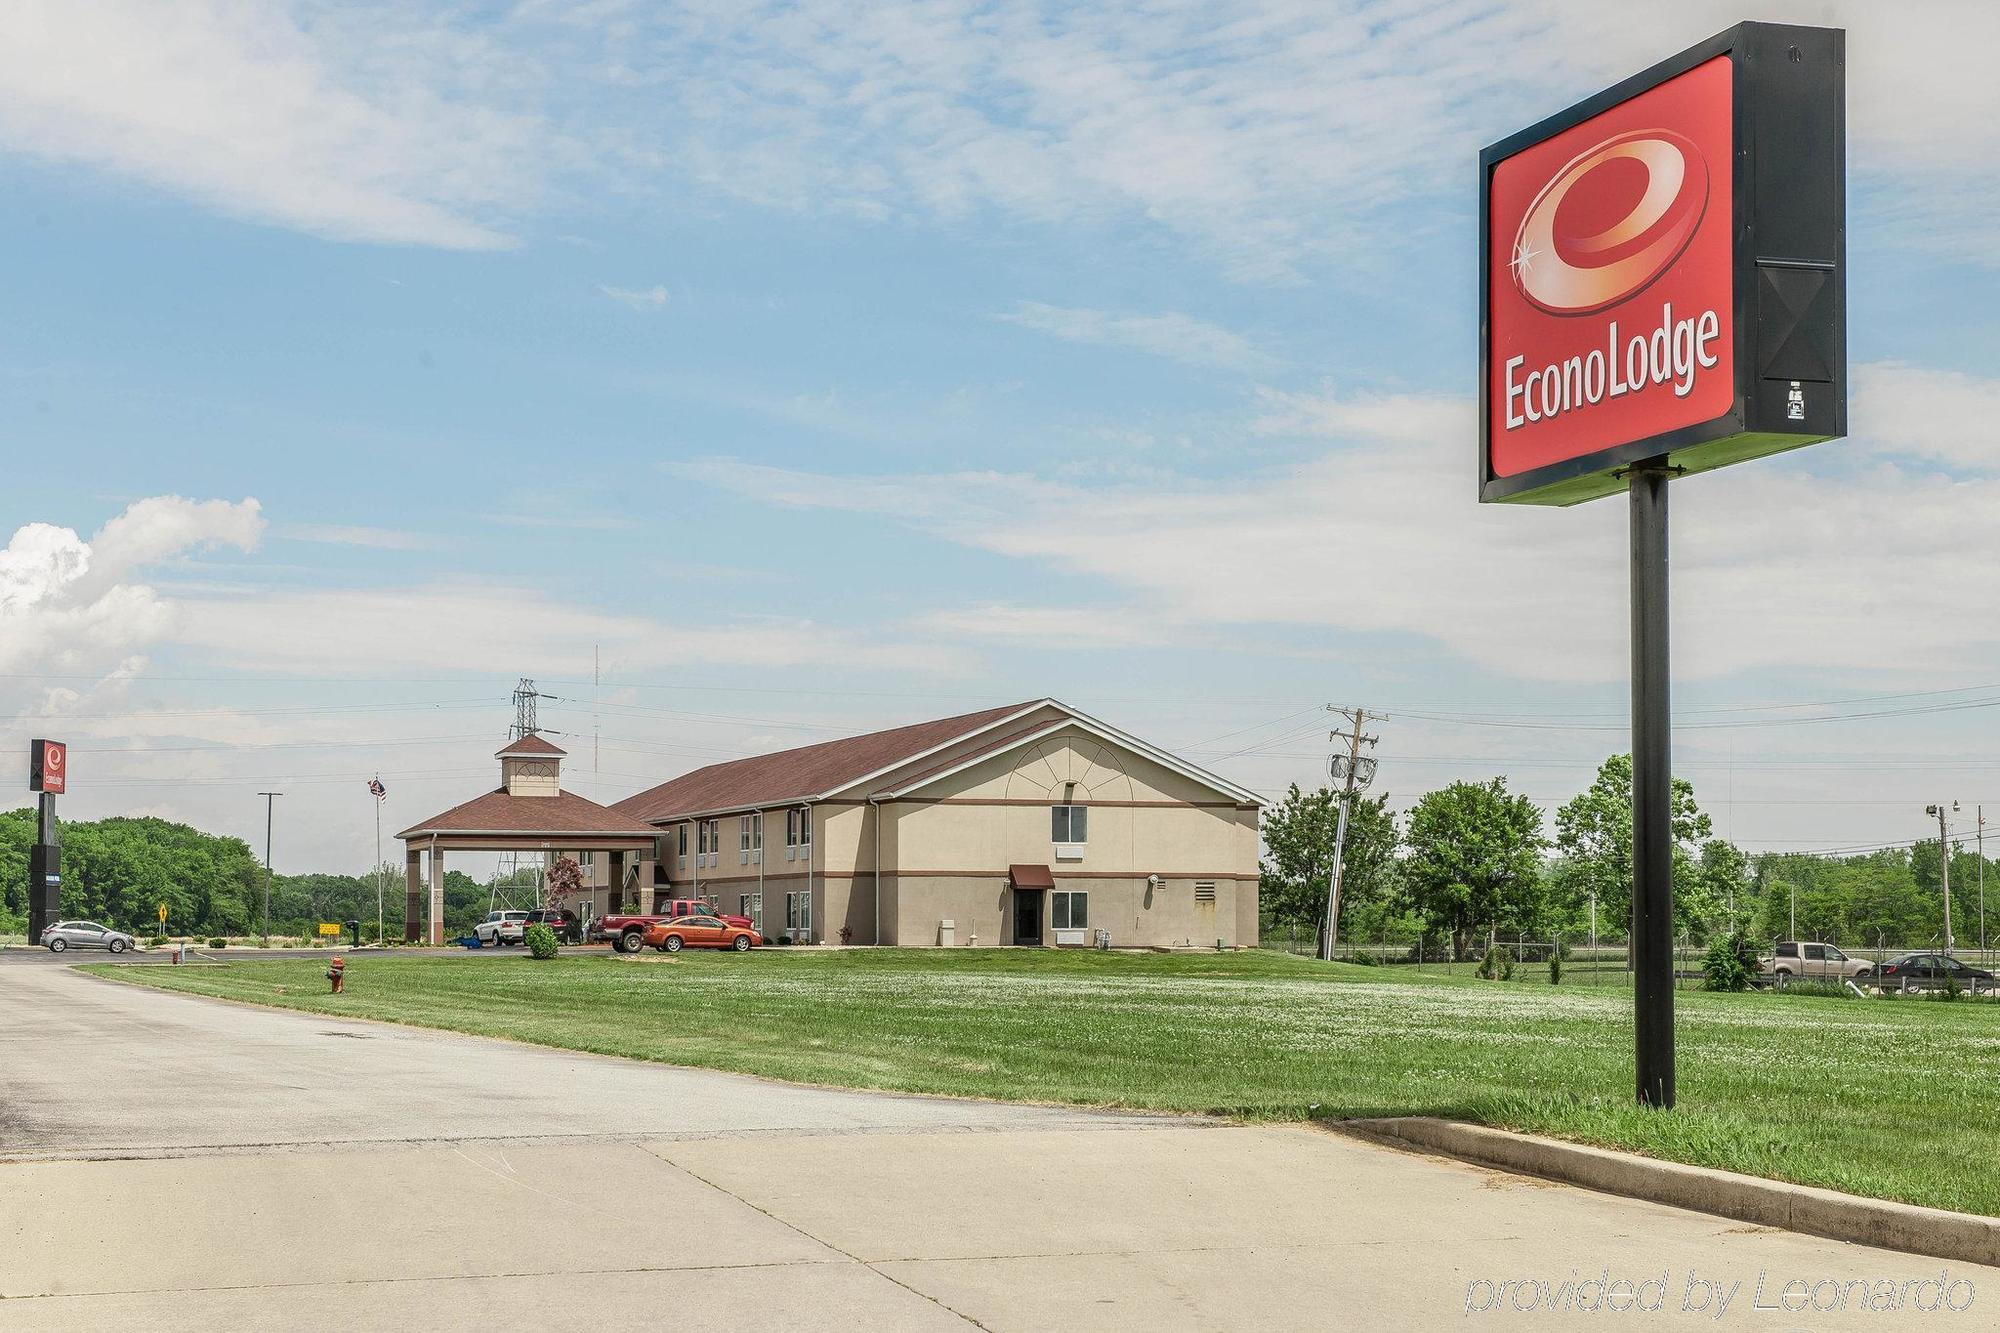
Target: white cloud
646,298
1274,135
1943,416
310,630
1381,535
1176,336
356,126
1067,627
344,534
70,607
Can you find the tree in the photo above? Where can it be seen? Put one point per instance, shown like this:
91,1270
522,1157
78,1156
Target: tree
1594,837
565,881
1721,883
1474,860
1298,856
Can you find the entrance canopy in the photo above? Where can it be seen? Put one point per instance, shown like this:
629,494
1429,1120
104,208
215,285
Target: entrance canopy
1031,877
528,812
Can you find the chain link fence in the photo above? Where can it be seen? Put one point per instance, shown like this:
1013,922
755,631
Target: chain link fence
1521,957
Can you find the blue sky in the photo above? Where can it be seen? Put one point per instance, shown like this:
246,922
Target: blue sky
824,371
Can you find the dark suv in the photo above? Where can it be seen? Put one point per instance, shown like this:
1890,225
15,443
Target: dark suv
566,925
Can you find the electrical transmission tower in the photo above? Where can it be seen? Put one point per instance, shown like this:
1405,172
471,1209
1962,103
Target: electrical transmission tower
1353,771
525,695
511,863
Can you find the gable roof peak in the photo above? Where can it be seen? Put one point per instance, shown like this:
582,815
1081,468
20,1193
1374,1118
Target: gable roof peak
531,744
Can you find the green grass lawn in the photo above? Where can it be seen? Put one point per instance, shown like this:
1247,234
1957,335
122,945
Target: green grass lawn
1889,1098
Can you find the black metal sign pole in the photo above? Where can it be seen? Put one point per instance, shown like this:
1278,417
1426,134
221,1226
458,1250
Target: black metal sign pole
1652,791
44,871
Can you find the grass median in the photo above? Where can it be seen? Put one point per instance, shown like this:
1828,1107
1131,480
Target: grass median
1887,1098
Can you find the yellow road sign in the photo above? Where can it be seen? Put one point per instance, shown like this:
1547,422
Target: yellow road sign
329,927
163,914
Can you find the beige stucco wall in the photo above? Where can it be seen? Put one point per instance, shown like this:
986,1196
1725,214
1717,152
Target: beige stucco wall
981,910
945,850
952,841
1144,817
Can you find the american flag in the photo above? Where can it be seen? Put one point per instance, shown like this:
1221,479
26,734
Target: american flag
375,786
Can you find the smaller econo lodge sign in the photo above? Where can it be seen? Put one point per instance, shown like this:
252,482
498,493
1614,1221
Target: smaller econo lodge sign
1662,270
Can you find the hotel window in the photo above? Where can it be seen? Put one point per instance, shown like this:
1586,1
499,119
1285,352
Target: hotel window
714,827
1069,824
806,827
681,855
1069,911
799,914
743,840
791,835
752,906
757,837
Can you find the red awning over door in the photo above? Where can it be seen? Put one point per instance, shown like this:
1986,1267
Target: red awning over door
1031,877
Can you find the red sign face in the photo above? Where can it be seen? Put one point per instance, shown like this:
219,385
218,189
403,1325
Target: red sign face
1611,315
49,767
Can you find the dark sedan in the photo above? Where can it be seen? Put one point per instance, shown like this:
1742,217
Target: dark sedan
1930,971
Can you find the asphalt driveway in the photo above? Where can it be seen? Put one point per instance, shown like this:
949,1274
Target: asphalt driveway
171,1162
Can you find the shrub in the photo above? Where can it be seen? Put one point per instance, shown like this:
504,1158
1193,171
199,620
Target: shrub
1364,958
1729,964
156,941
846,934
217,942
541,941
1556,966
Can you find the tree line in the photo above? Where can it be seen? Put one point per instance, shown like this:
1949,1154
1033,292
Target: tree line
1473,860
119,871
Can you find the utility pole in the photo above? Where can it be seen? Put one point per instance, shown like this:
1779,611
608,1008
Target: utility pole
1353,773
1944,866
1982,882
270,797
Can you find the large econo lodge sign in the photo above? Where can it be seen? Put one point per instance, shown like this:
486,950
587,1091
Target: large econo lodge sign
48,766
1662,270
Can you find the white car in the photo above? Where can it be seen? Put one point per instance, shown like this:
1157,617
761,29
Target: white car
85,935
502,928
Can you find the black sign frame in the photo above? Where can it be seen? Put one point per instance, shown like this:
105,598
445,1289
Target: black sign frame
1789,261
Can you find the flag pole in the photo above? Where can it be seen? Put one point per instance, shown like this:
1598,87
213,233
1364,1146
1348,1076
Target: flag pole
378,866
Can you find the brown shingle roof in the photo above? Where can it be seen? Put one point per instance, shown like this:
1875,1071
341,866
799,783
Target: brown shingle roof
531,743
501,812
795,775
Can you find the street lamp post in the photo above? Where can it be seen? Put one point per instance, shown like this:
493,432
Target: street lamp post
270,798
1944,866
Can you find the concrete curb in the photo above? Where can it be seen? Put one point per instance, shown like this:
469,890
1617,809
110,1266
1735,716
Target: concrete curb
1960,1237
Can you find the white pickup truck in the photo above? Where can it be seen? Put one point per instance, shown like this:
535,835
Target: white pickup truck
1810,960
502,928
